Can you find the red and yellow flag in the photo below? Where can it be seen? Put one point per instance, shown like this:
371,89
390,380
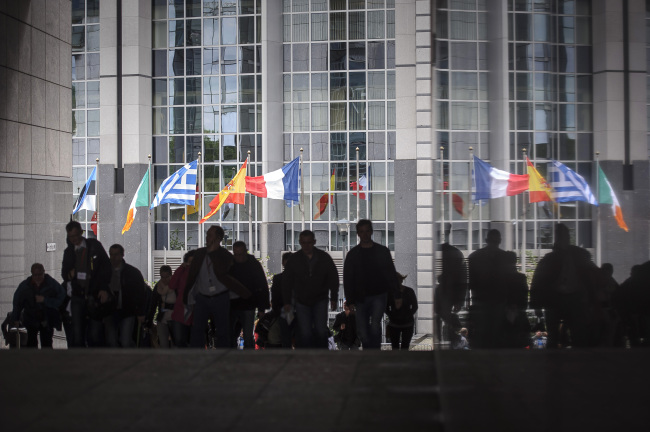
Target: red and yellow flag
538,189
235,188
322,202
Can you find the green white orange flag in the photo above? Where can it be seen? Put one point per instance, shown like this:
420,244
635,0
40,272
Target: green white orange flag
233,192
538,189
606,195
140,199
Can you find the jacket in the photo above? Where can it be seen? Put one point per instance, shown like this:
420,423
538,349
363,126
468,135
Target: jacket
251,274
177,283
222,261
309,286
33,314
402,317
133,291
98,263
369,271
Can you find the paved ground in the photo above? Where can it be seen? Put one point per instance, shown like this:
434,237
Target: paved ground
457,391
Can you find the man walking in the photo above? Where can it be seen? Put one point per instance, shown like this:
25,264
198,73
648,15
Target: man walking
86,270
250,273
310,274
208,287
130,295
36,303
368,275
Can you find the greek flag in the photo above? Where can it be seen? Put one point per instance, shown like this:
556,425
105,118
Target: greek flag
567,185
179,188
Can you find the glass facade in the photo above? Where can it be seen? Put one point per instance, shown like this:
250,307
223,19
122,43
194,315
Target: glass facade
206,68
550,107
85,97
339,96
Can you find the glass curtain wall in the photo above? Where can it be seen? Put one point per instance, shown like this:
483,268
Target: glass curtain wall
550,81
85,99
462,105
206,68
550,112
339,96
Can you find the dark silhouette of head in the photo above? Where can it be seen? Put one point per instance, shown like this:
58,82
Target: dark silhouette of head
493,238
562,236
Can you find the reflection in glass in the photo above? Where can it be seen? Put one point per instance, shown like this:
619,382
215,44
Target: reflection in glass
92,66
176,120
193,119
193,34
176,33
211,119
159,121
211,90
176,93
229,89
211,31
357,55
228,31
300,117
229,119
229,60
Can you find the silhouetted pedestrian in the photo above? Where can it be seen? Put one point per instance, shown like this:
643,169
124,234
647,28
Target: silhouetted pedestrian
450,293
35,305
489,291
564,284
250,273
401,316
309,277
368,276
87,268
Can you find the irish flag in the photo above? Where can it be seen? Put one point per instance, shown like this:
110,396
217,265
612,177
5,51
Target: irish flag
233,192
495,183
141,199
606,195
538,188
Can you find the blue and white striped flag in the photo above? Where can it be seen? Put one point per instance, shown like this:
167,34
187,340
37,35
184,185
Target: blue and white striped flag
179,188
87,196
567,185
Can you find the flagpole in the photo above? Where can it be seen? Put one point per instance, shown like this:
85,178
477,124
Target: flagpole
442,197
149,248
524,207
200,183
302,195
470,206
97,194
358,188
598,233
250,207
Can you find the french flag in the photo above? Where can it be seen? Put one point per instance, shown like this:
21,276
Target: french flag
490,182
279,184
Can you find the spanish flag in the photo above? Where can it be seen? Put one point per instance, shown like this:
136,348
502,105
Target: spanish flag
235,188
538,189
326,198
140,199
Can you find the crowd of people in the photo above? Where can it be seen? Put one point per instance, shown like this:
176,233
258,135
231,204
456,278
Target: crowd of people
217,298
576,303
221,299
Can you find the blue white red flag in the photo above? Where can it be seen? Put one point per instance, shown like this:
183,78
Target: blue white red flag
279,184
490,182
